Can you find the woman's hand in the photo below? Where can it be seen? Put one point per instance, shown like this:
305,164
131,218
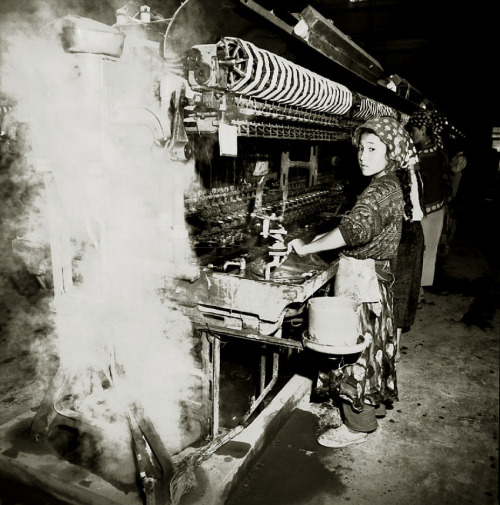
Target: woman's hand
324,242
297,245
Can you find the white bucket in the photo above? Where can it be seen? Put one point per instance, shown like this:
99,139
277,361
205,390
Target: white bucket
333,320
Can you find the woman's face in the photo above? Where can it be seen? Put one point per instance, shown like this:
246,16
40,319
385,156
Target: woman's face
372,155
419,135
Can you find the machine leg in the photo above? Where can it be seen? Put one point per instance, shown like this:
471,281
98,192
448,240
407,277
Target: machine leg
46,413
215,385
211,368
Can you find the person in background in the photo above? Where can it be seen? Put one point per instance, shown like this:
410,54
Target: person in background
425,128
458,162
369,236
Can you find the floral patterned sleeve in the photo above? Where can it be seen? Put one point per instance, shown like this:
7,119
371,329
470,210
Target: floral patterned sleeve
376,208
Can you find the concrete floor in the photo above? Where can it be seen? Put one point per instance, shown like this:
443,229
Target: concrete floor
439,445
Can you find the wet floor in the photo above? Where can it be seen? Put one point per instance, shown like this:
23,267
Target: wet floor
439,444
13,494
290,470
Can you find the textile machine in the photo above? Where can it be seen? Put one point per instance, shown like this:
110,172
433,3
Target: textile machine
242,116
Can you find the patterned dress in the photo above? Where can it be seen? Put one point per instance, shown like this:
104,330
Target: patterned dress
407,269
372,230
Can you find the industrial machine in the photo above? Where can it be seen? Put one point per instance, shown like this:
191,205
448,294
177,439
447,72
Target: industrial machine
233,124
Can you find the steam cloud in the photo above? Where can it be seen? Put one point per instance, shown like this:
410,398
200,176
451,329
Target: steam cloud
111,209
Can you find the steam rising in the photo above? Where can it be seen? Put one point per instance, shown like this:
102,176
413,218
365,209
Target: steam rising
112,213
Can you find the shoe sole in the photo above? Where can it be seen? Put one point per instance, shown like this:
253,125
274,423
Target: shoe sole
346,443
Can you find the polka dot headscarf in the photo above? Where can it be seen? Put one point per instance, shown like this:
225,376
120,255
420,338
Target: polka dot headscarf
400,147
432,120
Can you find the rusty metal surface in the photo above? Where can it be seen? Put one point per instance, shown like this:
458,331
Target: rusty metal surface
252,336
243,297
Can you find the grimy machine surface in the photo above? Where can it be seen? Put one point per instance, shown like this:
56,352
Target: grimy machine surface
261,104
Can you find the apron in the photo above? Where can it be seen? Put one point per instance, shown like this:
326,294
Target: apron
357,279
371,379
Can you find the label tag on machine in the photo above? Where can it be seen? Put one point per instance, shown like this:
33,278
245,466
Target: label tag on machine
228,140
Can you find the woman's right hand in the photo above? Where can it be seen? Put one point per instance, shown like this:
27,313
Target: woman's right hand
297,245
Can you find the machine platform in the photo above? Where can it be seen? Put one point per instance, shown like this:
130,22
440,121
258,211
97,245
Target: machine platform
39,466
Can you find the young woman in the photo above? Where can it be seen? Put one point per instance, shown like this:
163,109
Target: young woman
426,128
369,236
